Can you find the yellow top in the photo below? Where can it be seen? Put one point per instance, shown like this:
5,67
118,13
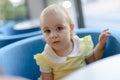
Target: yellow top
70,64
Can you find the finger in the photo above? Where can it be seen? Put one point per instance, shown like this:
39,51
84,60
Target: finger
105,30
108,33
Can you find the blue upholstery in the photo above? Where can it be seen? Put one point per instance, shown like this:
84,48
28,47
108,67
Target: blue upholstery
16,32
5,40
7,29
113,42
17,58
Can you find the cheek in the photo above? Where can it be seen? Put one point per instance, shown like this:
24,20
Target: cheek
66,35
46,38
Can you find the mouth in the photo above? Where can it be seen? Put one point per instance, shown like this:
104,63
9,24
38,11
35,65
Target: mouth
56,42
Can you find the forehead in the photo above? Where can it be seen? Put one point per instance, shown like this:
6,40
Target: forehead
54,16
54,10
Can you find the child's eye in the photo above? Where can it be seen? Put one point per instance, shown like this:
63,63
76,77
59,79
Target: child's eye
59,28
47,31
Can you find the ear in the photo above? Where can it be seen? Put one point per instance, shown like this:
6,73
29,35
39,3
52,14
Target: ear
72,27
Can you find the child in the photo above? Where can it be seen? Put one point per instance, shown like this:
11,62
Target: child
64,51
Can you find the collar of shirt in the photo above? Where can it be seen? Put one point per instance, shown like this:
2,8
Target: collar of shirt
58,59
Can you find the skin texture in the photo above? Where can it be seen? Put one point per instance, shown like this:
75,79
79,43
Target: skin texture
57,30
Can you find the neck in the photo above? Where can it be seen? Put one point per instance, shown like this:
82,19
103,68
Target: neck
65,50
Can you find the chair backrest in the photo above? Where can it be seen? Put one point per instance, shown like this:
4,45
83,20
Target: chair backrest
17,58
5,40
17,32
113,43
8,29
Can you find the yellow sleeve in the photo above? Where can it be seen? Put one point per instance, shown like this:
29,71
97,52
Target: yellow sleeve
42,62
88,45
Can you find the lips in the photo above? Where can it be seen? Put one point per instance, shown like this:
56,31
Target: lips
56,42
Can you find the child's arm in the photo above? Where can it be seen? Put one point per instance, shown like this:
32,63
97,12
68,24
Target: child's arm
47,76
99,49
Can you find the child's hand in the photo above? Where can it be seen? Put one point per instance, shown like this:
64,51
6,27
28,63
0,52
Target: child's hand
99,49
103,37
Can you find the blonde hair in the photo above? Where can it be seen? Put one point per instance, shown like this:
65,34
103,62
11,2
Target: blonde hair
54,9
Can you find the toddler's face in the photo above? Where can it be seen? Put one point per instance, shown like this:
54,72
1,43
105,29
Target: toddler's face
56,30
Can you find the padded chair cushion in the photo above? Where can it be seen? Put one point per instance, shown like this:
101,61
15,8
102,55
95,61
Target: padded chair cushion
5,40
17,58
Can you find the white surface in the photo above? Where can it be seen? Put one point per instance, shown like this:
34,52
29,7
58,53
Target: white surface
105,69
27,25
4,77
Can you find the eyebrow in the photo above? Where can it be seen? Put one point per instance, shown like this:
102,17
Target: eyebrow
59,25
45,27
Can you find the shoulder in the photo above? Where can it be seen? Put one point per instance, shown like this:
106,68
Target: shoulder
43,62
39,56
42,58
86,43
86,38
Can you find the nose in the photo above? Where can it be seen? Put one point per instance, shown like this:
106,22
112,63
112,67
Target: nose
53,35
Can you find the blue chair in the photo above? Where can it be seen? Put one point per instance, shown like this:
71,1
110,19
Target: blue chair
5,40
17,32
26,26
8,29
0,32
17,58
113,42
